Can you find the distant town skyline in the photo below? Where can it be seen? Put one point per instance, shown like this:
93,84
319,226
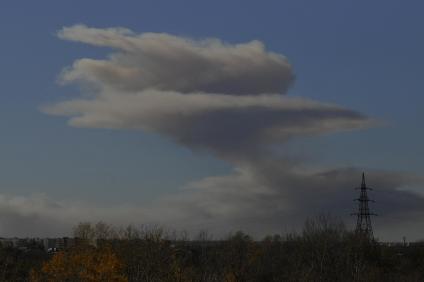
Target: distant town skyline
216,115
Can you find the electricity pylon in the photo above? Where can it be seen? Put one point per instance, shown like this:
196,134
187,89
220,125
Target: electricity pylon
363,222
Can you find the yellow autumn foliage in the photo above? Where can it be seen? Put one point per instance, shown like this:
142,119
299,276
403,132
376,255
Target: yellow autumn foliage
81,264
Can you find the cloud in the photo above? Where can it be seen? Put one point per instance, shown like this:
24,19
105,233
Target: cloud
224,124
269,197
272,197
227,99
207,94
41,216
166,62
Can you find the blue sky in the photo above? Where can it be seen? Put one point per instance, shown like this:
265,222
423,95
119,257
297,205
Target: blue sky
362,55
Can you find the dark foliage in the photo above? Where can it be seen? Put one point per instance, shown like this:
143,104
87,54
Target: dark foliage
324,251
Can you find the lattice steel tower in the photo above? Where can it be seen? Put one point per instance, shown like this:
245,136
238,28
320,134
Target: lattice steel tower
363,222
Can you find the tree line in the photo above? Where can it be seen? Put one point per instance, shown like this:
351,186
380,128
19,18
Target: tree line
323,251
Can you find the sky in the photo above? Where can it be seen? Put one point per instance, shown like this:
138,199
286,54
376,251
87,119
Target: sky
218,115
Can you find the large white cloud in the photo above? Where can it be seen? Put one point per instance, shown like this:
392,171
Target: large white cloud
201,93
227,99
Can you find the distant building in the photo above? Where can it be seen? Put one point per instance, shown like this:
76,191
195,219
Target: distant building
58,243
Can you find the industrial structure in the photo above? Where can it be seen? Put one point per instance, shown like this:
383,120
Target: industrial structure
363,222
